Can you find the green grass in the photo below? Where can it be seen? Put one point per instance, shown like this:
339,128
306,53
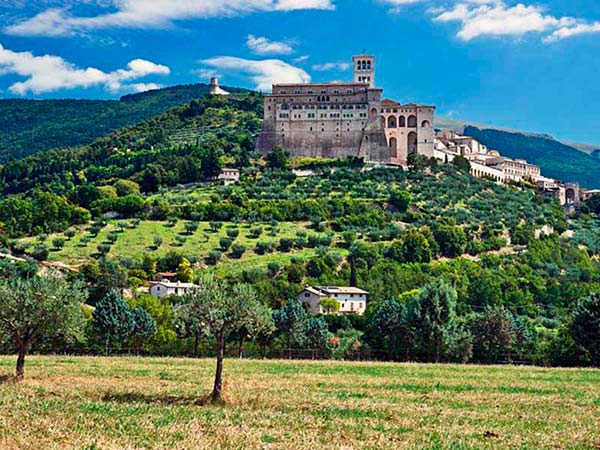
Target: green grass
110,403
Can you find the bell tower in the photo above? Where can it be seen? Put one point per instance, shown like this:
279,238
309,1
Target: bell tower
364,69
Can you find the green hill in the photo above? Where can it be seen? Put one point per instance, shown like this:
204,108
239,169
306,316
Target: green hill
31,126
556,159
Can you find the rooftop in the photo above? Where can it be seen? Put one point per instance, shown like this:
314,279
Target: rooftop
171,284
339,290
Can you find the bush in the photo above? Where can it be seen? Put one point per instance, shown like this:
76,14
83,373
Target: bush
213,257
70,234
237,251
233,233
225,243
263,247
103,249
286,244
40,252
255,232
58,243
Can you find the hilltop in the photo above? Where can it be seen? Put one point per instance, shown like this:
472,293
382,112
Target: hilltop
31,126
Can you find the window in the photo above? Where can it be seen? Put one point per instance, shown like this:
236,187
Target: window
306,294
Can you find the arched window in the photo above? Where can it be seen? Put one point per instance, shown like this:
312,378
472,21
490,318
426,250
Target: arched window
391,122
425,124
412,142
373,113
401,122
412,121
394,147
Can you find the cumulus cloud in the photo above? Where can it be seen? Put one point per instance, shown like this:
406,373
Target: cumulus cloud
50,73
341,66
264,46
145,14
263,73
480,18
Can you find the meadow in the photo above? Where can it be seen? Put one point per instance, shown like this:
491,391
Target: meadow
152,403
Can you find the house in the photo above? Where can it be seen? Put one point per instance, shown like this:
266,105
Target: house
165,288
229,176
352,300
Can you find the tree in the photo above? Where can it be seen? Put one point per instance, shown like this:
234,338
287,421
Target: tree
278,159
290,321
222,309
317,336
158,240
237,251
144,326
329,305
113,320
493,334
462,163
433,320
451,239
185,273
585,327
39,308
391,331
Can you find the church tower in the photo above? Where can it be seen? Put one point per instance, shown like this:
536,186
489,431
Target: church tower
364,69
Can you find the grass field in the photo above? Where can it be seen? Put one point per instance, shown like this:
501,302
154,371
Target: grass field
130,403
135,242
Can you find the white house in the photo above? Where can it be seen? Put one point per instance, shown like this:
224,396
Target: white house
229,176
352,300
165,288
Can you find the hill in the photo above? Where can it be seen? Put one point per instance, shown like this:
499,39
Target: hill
31,126
556,159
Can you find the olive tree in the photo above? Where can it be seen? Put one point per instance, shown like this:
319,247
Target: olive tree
221,309
39,308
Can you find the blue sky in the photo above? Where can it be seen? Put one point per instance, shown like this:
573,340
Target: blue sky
528,65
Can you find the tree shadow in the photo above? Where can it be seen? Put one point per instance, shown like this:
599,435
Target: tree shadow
8,379
167,400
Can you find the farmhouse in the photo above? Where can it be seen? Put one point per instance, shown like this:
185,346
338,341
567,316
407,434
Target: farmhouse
229,176
352,300
165,288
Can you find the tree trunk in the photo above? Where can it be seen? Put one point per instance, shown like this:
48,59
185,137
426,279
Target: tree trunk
216,394
241,348
196,344
22,352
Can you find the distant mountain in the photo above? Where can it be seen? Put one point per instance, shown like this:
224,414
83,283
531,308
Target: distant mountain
31,126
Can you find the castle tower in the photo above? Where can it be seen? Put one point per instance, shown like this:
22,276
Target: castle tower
364,69
215,89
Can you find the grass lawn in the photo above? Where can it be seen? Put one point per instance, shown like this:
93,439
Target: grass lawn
131,403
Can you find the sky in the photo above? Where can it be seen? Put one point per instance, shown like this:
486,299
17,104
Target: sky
528,65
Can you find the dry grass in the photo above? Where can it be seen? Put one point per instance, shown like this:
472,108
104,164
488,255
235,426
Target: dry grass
130,403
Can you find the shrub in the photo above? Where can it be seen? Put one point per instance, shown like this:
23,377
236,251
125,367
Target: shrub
213,257
58,243
40,252
285,244
255,232
237,251
225,243
233,233
263,247
70,234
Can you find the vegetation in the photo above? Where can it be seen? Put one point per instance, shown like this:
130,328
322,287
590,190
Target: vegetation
31,126
152,403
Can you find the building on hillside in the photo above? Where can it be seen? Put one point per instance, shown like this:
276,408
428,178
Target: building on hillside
215,89
408,129
352,300
331,120
229,176
165,288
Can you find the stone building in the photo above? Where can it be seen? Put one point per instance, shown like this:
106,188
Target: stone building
352,300
215,89
332,120
408,129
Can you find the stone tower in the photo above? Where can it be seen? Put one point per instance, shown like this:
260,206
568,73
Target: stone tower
364,69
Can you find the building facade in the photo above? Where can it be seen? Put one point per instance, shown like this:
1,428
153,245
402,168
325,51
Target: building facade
408,129
352,300
167,288
331,120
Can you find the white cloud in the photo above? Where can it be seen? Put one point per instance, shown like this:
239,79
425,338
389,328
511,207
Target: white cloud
341,66
576,30
143,87
264,46
302,58
480,18
50,73
144,14
263,73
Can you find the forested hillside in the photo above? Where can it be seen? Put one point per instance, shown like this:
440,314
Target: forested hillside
145,199
31,126
557,160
